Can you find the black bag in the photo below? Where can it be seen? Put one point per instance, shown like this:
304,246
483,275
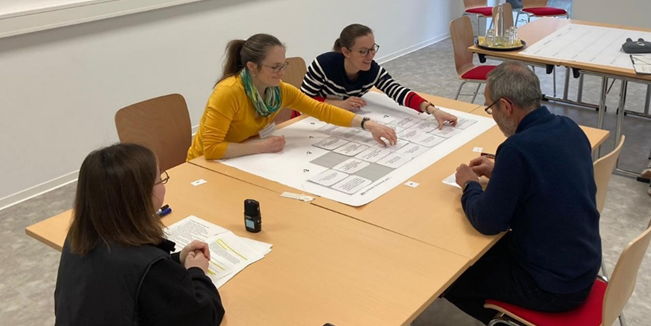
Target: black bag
639,46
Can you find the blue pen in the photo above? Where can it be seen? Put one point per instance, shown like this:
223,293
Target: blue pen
164,211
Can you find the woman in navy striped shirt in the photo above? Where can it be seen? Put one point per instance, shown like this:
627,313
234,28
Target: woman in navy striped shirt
342,77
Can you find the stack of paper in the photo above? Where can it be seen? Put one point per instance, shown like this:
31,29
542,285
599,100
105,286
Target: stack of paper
229,254
641,63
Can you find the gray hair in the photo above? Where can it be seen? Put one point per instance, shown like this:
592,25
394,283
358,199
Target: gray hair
514,81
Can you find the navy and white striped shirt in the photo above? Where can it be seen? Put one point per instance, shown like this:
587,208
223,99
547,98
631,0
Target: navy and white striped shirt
326,79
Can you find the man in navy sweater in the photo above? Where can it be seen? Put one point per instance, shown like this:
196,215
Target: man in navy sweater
542,189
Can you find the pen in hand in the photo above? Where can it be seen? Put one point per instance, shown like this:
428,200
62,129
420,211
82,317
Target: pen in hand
488,155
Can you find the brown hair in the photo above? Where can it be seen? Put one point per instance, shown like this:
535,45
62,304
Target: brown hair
349,34
114,199
239,52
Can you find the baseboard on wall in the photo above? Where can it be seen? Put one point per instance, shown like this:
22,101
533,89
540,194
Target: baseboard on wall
37,190
415,47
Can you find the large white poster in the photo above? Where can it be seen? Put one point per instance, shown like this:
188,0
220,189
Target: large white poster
347,165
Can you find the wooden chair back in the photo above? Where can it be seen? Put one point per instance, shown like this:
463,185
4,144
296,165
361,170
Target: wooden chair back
462,36
294,75
162,124
534,3
603,170
474,3
622,282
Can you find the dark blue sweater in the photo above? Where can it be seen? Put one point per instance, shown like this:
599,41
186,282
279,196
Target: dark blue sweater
543,189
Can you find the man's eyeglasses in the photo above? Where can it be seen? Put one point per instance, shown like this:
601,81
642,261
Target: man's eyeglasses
164,177
489,109
364,52
278,68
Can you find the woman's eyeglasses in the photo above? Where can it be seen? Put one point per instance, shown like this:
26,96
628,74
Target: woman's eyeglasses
278,68
364,52
164,177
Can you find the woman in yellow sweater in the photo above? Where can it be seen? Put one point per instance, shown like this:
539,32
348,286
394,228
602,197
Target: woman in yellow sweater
248,97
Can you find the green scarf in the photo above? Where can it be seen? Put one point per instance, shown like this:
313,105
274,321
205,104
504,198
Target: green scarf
262,107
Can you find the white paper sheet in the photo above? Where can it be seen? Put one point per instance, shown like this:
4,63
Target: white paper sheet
347,166
451,180
229,254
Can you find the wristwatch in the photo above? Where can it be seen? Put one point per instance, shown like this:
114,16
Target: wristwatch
363,122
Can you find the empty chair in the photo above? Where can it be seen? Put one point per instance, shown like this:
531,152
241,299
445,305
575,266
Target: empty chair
479,8
605,303
162,124
539,8
462,38
293,75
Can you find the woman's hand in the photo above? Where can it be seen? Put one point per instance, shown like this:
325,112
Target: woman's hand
273,144
442,116
352,103
380,131
196,259
195,245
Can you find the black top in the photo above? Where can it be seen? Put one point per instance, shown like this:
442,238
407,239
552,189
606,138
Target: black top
170,295
145,285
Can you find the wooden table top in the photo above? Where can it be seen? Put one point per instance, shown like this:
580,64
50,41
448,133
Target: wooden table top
541,28
432,212
324,266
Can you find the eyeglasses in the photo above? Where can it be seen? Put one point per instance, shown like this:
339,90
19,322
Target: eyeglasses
489,109
164,177
278,68
364,52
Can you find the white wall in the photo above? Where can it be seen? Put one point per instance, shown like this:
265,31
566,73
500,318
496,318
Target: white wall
623,12
59,89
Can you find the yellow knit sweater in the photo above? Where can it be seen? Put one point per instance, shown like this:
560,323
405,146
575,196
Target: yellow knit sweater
229,117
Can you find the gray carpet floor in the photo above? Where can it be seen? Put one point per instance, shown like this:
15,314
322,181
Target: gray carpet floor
28,268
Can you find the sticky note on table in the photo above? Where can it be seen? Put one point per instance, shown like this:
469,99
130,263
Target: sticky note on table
198,182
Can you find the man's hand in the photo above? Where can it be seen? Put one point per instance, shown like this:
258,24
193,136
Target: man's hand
482,166
465,174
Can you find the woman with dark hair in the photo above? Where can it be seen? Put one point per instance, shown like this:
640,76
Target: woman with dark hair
116,268
250,94
343,76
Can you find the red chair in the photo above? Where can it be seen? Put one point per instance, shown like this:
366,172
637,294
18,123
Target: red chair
479,8
462,37
539,8
605,303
